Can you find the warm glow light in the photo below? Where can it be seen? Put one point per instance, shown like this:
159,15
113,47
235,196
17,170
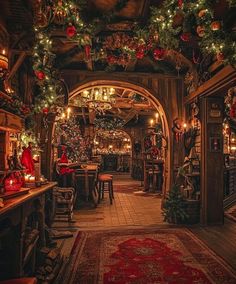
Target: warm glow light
233,139
11,182
3,51
151,122
185,125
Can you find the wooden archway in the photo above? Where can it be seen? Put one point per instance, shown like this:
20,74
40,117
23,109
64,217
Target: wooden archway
157,102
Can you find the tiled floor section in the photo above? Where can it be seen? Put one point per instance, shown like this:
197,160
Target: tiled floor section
131,208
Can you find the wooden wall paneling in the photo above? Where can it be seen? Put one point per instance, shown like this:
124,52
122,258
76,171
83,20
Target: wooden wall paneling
211,164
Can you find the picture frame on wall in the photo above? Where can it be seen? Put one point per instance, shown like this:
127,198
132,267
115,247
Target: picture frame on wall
214,111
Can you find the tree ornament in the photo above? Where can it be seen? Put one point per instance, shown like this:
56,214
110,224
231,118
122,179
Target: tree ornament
220,56
185,36
45,110
200,31
202,13
139,54
159,53
87,49
40,75
215,26
71,31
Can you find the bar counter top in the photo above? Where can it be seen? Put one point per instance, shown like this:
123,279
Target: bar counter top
14,202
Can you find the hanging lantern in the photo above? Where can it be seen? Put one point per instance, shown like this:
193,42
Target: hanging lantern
215,26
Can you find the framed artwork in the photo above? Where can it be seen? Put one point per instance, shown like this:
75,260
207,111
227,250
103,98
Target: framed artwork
214,111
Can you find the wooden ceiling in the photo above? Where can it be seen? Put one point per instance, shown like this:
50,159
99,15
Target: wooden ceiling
129,106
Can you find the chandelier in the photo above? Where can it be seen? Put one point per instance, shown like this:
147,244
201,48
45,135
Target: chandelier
99,99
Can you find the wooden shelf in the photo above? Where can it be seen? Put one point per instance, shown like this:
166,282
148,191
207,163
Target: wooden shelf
10,122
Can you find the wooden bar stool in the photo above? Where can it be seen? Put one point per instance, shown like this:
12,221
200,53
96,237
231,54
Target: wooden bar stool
105,182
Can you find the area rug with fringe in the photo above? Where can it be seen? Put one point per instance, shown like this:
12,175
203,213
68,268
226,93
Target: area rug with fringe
145,256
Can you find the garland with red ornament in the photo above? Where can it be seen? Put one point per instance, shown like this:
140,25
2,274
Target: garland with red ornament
172,26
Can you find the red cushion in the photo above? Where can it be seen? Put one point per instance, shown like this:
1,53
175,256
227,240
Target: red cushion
30,280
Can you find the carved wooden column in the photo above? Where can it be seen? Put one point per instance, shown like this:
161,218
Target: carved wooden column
211,161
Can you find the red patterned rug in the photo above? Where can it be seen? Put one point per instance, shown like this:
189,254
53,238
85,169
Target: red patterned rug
163,256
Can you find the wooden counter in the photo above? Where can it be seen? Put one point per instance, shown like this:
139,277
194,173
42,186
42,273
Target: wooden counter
22,230
12,203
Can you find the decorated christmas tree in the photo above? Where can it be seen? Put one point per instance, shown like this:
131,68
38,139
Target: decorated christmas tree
71,136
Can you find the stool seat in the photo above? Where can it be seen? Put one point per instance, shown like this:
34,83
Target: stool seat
104,178
26,280
105,175
105,184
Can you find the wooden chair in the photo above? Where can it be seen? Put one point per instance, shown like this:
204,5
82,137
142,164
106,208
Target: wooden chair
64,201
105,183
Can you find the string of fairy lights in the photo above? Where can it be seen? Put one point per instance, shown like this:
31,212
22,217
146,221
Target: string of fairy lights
171,26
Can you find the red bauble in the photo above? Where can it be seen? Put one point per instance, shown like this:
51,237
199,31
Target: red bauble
87,49
139,53
185,36
45,110
111,59
40,75
70,31
159,53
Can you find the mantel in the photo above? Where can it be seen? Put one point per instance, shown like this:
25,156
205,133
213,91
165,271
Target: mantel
219,83
10,121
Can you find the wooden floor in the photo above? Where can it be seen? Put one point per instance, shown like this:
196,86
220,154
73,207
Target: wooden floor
134,209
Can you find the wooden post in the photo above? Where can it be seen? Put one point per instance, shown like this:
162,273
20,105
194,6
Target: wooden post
211,161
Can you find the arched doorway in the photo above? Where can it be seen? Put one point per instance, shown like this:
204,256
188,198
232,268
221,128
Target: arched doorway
157,102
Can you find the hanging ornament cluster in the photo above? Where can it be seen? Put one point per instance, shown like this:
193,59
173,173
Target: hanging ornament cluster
174,23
